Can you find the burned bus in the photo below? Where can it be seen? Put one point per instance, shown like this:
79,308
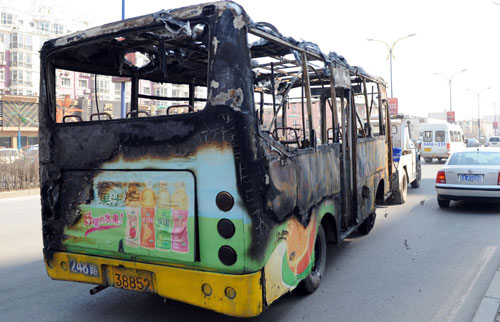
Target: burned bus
237,154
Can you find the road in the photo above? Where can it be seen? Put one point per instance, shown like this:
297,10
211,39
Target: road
419,263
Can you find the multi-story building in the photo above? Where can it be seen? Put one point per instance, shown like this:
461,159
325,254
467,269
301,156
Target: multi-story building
24,27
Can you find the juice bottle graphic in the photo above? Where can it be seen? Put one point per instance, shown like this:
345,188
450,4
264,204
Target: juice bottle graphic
180,207
148,218
133,211
164,222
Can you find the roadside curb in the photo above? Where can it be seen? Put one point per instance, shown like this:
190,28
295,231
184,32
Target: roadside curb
19,193
489,309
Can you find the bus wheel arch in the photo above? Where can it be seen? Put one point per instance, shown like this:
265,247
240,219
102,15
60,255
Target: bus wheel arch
379,195
330,227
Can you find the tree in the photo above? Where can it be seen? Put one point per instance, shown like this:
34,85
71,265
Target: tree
22,118
65,106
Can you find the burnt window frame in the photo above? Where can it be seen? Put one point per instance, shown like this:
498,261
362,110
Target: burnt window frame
309,135
51,66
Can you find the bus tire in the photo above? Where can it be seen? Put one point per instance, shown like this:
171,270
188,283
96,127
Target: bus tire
400,196
428,160
367,224
312,281
416,183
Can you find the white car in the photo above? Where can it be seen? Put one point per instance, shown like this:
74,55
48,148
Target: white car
493,141
8,156
472,174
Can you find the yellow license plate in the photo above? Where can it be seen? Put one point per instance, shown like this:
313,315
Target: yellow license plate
427,149
133,279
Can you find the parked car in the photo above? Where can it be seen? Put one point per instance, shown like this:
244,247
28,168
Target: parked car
440,140
8,156
473,174
472,143
29,156
493,141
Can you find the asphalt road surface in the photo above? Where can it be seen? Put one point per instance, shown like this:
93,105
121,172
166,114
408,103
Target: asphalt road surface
419,263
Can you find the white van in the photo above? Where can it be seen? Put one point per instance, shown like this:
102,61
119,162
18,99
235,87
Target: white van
440,140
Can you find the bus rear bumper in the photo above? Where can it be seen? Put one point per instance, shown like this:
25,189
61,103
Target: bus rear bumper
235,295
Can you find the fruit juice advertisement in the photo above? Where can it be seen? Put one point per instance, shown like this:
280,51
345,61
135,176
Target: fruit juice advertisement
137,214
164,224
133,212
180,241
132,227
180,204
164,220
148,218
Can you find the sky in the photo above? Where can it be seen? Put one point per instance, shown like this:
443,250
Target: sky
451,35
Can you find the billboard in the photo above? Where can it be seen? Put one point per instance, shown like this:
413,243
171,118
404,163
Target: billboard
450,116
393,106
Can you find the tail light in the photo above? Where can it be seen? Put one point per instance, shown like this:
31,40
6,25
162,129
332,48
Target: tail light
448,146
441,177
498,182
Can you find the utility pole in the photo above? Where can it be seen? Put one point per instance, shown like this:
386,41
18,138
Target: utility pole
495,117
123,107
478,93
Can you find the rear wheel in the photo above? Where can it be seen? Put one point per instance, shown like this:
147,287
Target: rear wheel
428,160
312,281
416,183
400,196
367,225
443,203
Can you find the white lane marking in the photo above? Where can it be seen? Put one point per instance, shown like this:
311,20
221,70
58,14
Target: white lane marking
449,311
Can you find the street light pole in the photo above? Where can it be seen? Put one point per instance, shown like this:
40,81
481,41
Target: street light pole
495,116
478,118
391,50
478,93
123,107
390,66
450,78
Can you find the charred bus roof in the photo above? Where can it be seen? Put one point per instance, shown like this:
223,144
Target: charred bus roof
177,43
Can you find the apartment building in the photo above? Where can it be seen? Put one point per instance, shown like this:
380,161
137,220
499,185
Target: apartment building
24,27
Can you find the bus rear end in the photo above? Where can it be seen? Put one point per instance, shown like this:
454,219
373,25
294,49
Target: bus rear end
146,196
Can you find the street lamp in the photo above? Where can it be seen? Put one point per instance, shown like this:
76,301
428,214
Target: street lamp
495,117
450,78
123,106
478,110
391,50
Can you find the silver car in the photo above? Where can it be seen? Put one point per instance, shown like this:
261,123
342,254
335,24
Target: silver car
473,174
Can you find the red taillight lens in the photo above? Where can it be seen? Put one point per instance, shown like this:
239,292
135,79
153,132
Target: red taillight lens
498,182
441,177
447,146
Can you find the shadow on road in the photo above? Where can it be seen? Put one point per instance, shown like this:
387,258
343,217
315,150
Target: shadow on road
473,208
